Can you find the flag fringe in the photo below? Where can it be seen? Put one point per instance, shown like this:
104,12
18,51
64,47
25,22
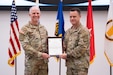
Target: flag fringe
111,64
91,61
11,59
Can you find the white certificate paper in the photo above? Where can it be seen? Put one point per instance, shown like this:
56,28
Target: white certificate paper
54,46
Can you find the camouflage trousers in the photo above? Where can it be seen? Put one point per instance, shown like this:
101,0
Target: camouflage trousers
36,70
71,71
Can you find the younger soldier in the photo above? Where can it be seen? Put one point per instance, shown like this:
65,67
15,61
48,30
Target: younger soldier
76,44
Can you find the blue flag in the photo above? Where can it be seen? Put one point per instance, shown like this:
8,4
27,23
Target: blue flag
59,29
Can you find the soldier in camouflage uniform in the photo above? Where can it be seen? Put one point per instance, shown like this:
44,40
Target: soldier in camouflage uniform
76,44
33,37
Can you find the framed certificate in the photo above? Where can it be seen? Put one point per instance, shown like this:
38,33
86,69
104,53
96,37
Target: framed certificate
55,46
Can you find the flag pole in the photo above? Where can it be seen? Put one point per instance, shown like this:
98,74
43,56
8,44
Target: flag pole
59,66
60,61
59,29
110,70
60,58
15,60
15,66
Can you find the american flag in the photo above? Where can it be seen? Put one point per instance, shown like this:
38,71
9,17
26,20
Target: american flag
14,44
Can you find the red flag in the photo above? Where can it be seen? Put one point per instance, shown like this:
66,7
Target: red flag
91,29
14,44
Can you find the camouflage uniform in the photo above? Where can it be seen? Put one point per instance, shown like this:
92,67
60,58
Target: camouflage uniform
76,42
33,39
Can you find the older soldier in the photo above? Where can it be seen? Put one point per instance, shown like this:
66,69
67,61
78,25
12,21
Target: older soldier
33,37
76,44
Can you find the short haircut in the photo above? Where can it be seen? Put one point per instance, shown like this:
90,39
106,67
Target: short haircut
76,9
30,9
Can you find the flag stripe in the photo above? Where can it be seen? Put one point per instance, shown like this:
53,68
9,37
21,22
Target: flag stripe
10,53
15,34
17,26
12,44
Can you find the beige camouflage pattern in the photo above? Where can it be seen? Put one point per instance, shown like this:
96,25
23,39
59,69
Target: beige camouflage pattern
76,42
34,42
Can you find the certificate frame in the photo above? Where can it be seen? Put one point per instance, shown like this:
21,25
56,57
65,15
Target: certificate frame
55,46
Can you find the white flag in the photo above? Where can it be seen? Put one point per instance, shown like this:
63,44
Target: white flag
109,35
